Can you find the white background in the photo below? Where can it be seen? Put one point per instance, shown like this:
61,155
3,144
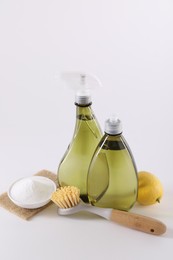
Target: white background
128,45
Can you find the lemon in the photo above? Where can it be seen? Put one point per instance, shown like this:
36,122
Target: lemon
150,189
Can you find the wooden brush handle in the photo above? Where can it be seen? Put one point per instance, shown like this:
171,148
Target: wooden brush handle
138,222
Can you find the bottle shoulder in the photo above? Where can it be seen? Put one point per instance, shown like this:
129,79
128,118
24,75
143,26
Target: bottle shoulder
112,142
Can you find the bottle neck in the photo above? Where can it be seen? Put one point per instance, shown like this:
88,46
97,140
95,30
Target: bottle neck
83,105
84,112
112,142
113,137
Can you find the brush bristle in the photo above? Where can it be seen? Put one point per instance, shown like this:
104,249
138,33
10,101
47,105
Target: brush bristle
66,197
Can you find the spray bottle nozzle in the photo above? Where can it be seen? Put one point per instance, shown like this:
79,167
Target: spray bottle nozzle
81,83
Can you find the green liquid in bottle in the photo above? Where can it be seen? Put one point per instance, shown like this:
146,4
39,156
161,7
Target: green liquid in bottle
74,165
112,177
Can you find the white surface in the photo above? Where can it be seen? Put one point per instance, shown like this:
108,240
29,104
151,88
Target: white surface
128,45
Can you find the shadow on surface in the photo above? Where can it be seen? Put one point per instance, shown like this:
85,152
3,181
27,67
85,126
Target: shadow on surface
169,233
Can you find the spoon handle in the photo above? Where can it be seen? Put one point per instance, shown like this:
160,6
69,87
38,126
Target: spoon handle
138,222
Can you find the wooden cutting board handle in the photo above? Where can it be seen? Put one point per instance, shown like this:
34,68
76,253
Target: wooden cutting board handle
138,222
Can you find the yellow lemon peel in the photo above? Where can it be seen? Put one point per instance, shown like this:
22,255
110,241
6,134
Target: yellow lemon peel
150,189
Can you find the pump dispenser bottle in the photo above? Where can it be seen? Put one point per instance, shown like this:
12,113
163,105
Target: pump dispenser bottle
73,167
112,176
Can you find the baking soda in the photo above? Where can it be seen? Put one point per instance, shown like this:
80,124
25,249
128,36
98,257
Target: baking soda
30,190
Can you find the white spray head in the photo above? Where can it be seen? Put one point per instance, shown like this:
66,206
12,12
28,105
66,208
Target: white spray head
81,83
113,125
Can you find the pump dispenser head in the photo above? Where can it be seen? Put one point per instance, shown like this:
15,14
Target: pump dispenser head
113,126
81,83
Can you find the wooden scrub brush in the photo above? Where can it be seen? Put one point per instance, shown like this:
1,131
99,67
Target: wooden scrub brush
68,201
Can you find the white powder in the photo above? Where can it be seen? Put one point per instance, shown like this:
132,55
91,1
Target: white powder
32,190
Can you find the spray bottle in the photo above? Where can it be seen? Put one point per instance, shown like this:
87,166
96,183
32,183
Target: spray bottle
73,167
112,178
